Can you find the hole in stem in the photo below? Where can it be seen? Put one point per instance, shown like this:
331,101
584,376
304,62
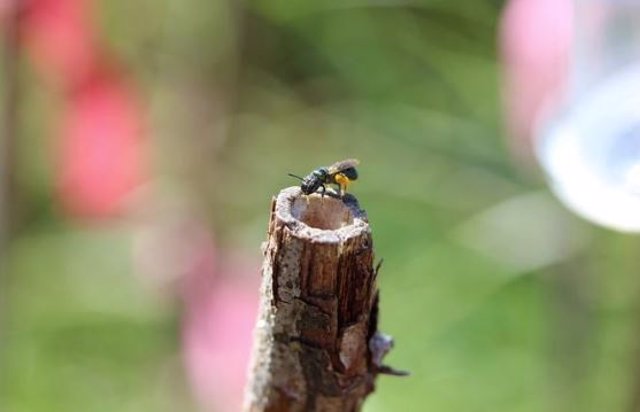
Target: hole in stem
325,213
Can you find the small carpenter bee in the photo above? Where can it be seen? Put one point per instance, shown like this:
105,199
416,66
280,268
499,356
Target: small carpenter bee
339,173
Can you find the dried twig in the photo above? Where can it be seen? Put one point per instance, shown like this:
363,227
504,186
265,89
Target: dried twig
317,347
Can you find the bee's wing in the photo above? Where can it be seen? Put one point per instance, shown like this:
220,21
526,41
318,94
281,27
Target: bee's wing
343,165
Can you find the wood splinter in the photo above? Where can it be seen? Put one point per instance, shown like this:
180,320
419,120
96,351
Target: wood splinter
317,347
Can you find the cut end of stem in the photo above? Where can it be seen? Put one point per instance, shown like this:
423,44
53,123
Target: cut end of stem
321,213
318,217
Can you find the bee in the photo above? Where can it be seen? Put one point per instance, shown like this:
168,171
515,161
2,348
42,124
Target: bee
340,174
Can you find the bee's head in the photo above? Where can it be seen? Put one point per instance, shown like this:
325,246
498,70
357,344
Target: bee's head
322,172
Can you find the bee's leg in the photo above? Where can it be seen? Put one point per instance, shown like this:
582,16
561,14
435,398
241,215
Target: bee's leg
342,181
343,187
322,193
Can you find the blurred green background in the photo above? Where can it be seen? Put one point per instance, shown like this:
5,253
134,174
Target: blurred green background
498,299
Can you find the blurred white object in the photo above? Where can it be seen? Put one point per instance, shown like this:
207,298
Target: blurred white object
591,152
524,233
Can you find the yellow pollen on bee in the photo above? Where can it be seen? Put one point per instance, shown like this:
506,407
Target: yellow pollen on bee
343,181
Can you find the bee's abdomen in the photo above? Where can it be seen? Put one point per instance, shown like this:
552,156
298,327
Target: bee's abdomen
351,173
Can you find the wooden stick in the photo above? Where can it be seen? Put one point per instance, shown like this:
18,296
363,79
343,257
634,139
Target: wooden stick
316,346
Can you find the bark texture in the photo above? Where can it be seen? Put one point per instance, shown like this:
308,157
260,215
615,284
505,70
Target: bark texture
316,343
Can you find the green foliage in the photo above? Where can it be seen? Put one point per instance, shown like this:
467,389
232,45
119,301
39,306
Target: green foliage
409,88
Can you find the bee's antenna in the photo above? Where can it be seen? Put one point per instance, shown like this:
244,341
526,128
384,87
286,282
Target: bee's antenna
297,177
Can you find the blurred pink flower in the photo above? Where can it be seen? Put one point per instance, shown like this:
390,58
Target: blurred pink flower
218,293
217,338
535,39
59,35
220,297
102,145
102,151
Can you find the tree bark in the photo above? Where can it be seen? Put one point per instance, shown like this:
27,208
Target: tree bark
316,345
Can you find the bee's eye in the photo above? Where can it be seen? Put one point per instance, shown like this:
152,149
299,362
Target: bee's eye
321,172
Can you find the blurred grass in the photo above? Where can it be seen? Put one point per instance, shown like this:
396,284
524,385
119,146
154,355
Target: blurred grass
241,95
80,331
